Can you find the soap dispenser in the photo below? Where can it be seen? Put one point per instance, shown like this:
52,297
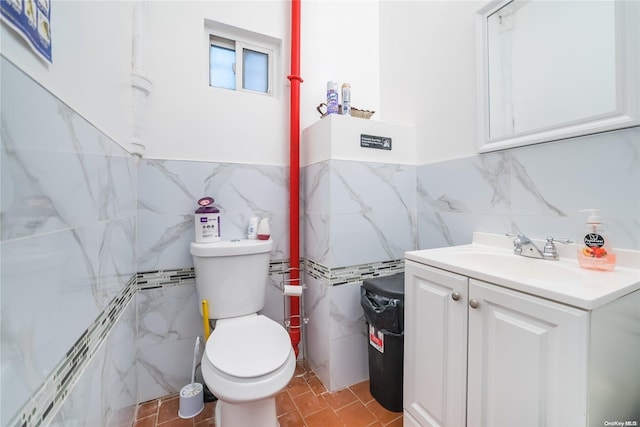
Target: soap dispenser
594,247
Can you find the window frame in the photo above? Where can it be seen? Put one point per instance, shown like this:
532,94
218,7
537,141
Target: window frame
239,45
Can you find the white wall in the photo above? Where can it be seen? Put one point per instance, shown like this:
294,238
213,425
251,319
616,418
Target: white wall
188,119
191,121
185,118
340,42
427,74
415,58
91,45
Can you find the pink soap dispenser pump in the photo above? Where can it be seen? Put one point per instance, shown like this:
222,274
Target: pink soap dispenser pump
594,247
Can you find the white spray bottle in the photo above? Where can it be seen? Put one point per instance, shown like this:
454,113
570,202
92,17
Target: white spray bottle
252,230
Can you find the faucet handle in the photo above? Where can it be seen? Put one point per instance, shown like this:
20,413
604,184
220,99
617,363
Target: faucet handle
520,239
563,241
549,250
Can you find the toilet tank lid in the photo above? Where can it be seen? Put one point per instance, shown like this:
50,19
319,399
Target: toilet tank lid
231,247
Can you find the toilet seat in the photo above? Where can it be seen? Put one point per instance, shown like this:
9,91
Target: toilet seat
247,358
248,347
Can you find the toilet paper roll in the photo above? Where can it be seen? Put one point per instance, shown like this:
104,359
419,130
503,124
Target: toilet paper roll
292,290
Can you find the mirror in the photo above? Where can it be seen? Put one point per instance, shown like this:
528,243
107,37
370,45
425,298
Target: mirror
550,70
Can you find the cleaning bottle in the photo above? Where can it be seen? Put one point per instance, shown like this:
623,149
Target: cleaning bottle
346,99
252,230
594,247
332,97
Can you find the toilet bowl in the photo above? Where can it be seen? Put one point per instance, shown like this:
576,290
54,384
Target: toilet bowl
248,357
247,361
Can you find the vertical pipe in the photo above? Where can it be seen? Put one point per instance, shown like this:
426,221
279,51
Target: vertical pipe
294,174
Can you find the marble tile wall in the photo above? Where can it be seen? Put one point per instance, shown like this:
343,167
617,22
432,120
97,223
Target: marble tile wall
358,212
68,227
105,391
168,194
168,322
536,190
168,317
360,218
336,332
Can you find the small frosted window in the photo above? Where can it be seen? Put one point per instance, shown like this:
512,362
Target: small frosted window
255,74
222,63
241,65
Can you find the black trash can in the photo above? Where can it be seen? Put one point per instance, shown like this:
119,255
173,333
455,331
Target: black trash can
382,299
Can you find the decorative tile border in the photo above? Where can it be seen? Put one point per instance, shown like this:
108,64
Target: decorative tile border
280,267
162,278
334,277
354,273
49,398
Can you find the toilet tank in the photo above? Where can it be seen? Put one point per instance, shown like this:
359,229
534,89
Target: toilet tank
232,276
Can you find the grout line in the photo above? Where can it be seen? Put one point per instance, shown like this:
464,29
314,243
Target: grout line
296,405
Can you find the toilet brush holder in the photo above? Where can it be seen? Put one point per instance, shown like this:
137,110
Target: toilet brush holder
192,395
191,400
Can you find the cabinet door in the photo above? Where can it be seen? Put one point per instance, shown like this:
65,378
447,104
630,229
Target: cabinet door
527,360
435,359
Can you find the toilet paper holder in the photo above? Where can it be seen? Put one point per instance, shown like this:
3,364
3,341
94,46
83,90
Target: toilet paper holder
301,320
293,290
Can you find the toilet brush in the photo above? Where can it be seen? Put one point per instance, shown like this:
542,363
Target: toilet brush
193,365
191,395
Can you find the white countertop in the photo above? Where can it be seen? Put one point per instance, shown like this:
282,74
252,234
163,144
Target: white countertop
490,258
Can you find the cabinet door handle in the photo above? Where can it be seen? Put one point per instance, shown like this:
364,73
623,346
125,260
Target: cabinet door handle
455,296
473,303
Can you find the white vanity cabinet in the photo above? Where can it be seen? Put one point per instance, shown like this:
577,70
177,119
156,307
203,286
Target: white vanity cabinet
527,360
435,347
478,354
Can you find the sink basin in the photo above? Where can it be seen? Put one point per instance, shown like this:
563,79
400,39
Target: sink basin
490,259
511,265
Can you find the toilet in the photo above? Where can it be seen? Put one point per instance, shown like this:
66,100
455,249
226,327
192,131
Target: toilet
248,357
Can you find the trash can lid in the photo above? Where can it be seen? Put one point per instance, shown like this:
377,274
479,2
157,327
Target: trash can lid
388,286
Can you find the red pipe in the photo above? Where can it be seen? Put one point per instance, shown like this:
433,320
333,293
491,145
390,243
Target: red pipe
294,175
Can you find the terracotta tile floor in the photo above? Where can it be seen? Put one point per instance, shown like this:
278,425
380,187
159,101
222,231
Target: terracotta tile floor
305,402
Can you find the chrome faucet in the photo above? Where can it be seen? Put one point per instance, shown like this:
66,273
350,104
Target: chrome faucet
523,246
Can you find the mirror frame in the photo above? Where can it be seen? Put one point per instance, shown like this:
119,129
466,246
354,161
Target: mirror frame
627,113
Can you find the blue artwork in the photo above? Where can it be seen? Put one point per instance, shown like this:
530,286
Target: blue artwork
31,19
